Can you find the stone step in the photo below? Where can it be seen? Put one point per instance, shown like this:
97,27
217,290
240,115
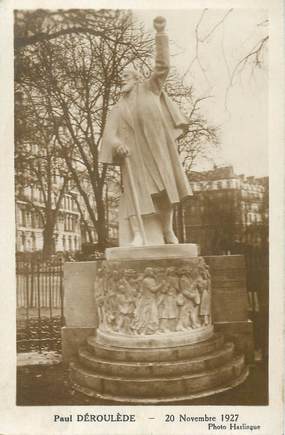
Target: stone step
154,341
149,354
161,400
170,386
153,369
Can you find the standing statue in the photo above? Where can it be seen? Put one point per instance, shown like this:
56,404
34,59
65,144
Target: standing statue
140,135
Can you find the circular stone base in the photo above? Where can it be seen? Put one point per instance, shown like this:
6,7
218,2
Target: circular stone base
161,400
177,353
167,375
171,339
146,369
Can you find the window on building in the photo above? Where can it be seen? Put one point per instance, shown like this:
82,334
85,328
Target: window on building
34,247
35,194
28,221
22,218
35,148
55,243
33,223
40,221
23,242
32,193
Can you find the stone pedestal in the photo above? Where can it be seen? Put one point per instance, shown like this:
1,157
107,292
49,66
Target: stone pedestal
230,301
80,312
155,340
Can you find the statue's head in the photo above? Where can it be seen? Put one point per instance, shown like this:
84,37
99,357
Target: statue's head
129,78
149,272
170,271
183,271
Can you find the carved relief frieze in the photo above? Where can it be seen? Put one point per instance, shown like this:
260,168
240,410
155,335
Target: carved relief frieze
153,300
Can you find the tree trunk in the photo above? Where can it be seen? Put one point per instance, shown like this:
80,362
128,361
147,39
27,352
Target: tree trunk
48,233
101,224
85,223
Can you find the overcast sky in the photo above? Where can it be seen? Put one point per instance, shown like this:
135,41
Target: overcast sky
243,123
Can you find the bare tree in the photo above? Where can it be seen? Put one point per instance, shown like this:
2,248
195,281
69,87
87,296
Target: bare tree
74,80
252,56
39,167
34,26
201,138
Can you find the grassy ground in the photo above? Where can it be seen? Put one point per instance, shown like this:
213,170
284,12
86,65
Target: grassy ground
48,385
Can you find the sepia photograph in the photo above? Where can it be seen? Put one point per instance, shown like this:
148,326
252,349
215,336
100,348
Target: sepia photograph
142,204
142,175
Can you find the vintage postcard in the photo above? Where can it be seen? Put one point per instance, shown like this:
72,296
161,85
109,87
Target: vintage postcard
142,226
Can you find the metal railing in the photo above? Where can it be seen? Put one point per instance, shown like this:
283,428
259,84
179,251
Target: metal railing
39,304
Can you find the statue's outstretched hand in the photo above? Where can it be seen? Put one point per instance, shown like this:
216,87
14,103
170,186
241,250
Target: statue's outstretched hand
159,24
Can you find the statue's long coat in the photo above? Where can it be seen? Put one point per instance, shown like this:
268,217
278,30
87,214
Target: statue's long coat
148,123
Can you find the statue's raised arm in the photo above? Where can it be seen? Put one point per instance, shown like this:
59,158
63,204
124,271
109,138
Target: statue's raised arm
162,62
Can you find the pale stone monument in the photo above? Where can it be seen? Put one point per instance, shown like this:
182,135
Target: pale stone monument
140,135
153,338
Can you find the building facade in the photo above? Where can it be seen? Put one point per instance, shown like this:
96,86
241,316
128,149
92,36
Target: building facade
226,211
29,225
73,225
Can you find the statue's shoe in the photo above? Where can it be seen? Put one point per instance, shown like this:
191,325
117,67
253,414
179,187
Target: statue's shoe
137,240
170,238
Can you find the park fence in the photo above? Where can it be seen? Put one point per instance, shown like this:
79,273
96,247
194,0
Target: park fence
39,304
